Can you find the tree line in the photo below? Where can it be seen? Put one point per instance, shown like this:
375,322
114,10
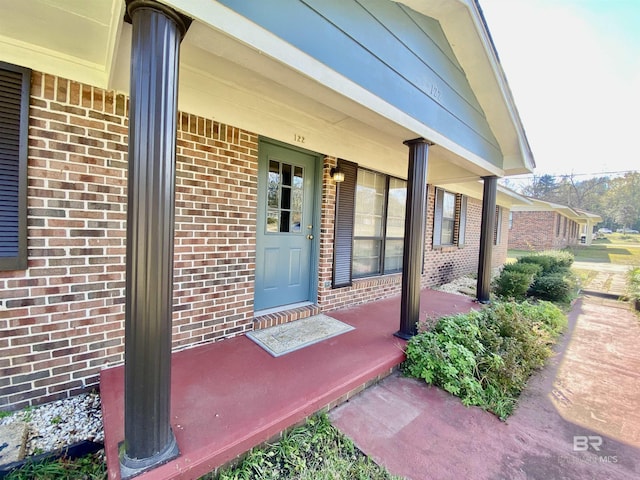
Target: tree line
615,199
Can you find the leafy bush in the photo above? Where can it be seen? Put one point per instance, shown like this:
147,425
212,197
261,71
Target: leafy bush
514,284
545,261
532,269
485,357
561,258
550,316
633,284
554,287
446,356
560,286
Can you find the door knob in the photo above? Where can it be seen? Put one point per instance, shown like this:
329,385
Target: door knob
310,237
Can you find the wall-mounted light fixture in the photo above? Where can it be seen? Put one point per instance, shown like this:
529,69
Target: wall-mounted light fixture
337,174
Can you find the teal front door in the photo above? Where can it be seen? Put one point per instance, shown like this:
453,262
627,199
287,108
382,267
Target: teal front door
285,230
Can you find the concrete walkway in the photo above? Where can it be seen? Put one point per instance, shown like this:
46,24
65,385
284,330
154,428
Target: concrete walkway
610,280
578,419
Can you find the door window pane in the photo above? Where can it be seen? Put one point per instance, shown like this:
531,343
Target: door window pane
273,185
285,196
272,221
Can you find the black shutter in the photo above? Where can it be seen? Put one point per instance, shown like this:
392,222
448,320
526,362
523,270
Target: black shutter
14,119
343,225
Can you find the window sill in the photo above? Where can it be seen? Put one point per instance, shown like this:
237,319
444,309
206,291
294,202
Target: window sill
446,248
378,278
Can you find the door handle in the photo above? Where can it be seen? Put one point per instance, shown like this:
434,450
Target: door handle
309,237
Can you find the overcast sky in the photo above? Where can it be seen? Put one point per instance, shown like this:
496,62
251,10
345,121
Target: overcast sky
574,69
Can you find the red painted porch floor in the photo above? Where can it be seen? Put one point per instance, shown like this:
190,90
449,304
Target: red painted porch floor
230,396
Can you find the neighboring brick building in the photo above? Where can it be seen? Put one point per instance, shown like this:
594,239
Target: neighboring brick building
252,128
549,226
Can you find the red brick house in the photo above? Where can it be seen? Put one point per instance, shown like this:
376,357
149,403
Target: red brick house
279,175
542,225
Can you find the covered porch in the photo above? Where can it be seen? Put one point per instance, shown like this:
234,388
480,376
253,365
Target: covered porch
230,396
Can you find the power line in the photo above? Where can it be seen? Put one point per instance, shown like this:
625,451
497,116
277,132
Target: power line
569,175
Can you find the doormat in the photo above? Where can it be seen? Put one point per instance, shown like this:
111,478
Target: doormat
282,339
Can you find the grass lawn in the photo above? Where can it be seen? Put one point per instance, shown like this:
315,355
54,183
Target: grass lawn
615,248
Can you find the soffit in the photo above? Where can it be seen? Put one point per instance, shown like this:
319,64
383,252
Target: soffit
71,38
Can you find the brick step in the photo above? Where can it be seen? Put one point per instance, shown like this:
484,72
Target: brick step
272,318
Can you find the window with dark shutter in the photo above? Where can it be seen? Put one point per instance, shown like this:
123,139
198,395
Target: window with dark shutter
343,225
14,118
449,219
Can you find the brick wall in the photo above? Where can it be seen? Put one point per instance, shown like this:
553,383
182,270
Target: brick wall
64,315
538,231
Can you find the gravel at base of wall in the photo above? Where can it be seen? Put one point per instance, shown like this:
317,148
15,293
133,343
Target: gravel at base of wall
61,423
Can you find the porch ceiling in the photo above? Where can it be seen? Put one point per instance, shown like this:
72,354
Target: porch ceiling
237,73
71,38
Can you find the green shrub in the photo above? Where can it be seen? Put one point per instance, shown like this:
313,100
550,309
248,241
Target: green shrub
633,284
486,357
554,287
551,261
513,284
532,269
446,356
546,262
562,258
549,315
550,277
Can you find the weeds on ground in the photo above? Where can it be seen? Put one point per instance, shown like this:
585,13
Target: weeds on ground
486,357
89,467
314,451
